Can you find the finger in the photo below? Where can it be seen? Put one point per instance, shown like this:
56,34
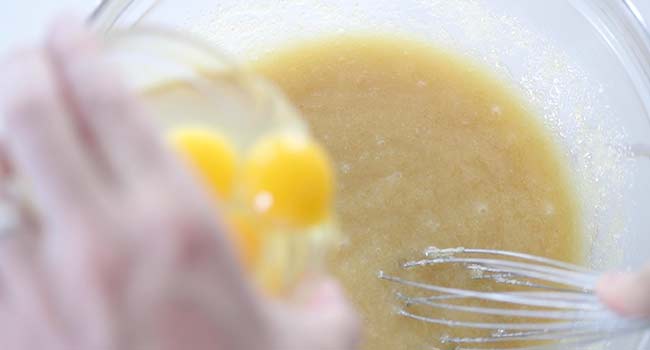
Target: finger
323,305
15,212
40,138
627,293
6,167
117,130
17,264
19,239
25,293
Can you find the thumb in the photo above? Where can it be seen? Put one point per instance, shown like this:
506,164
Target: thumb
322,318
626,293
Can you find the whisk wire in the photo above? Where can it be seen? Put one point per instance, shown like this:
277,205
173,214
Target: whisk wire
550,274
437,252
494,296
539,314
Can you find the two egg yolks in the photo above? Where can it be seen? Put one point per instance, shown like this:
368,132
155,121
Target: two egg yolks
284,179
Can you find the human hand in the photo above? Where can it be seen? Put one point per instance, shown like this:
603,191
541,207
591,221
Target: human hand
127,252
627,293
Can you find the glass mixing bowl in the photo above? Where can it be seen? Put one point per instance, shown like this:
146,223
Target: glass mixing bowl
583,65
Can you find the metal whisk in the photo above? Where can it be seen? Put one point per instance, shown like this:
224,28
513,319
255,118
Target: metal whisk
536,301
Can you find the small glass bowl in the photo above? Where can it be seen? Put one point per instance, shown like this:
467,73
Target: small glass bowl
231,101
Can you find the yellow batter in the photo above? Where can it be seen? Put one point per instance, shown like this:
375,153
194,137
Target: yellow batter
430,151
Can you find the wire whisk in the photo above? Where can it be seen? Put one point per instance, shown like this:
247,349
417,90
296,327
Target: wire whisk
530,300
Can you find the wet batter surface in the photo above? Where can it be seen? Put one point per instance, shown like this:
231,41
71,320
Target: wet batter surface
431,151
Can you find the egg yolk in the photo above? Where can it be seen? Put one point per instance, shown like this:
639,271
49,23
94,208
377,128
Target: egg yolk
211,155
288,178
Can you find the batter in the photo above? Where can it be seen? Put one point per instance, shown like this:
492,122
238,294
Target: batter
430,150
